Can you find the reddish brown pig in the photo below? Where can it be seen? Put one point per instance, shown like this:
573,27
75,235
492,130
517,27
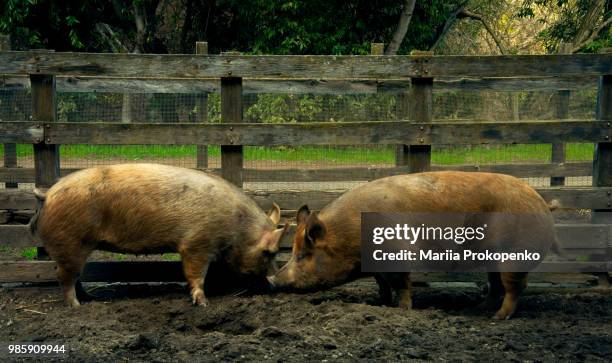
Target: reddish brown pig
149,208
326,248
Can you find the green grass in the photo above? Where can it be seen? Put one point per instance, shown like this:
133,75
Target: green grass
29,253
171,257
352,155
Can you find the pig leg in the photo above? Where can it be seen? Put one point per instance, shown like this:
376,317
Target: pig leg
405,292
494,292
67,278
402,284
195,267
69,268
384,290
514,283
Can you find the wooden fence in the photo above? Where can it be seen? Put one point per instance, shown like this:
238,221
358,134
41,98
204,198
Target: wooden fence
419,74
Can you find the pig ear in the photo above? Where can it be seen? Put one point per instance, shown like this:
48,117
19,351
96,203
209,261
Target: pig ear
274,213
302,214
277,235
315,228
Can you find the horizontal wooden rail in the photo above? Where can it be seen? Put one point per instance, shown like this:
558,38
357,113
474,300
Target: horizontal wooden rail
308,86
315,133
305,67
568,197
26,175
171,271
573,238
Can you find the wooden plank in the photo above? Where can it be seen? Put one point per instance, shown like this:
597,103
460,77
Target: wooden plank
202,116
10,161
419,154
301,86
335,133
305,67
602,161
516,84
569,197
231,112
26,175
30,271
24,132
573,238
166,271
17,199
46,156
16,236
583,236
10,150
558,149
5,216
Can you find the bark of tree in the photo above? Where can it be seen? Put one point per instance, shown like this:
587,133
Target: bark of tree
589,21
187,25
140,22
402,27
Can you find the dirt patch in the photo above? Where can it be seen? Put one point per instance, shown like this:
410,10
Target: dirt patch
157,323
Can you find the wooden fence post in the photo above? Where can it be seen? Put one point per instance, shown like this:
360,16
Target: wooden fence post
558,149
561,113
421,109
231,112
402,112
202,116
602,160
46,157
10,150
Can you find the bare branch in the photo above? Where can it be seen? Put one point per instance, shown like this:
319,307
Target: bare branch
448,25
468,14
402,27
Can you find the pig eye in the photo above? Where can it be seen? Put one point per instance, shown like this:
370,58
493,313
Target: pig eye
301,256
267,254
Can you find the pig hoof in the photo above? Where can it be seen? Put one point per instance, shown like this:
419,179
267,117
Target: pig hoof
406,305
198,298
74,304
501,316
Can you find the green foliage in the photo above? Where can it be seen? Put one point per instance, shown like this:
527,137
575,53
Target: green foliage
571,15
323,27
255,27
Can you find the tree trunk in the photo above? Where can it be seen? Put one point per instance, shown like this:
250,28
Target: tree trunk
402,28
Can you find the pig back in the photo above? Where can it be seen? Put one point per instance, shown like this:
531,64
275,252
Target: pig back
433,192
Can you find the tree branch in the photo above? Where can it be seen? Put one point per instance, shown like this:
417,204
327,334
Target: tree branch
448,25
589,20
402,28
111,38
592,37
468,14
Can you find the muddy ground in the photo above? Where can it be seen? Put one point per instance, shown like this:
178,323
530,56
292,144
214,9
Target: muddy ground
157,323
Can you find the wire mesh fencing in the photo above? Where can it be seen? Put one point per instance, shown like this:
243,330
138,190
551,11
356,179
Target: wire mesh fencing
448,106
